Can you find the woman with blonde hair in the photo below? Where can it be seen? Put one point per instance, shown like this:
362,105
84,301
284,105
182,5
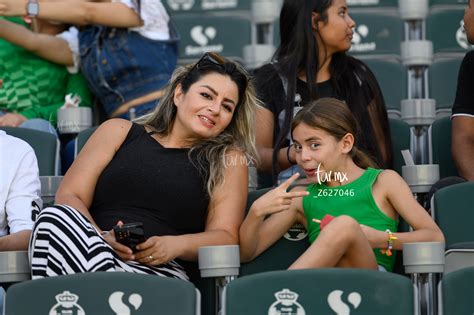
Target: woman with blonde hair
169,171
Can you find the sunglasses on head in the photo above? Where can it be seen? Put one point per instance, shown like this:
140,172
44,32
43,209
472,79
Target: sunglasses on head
216,59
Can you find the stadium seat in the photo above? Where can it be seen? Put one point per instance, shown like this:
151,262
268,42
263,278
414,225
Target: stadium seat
281,254
457,290
392,78
176,7
45,145
439,141
356,4
443,78
448,2
453,212
103,293
81,140
401,138
214,33
445,28
320,291
377,35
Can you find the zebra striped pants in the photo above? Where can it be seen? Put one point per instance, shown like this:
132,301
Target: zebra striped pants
63,242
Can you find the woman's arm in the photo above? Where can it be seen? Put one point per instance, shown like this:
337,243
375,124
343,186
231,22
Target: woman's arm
77,12
264,138
225,213
258,231
78,185
400,197
45,46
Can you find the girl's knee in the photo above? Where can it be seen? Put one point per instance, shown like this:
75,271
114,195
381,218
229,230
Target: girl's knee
342,227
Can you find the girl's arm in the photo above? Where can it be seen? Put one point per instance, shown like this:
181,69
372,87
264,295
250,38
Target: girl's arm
77,12
400,197
45,46
257,232
264,138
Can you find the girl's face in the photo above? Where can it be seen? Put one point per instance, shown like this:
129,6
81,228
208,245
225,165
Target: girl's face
207,108
334,35
469,21
317,151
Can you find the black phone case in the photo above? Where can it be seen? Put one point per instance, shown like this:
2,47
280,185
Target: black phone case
130,234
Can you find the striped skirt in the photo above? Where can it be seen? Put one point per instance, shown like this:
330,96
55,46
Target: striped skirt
63,242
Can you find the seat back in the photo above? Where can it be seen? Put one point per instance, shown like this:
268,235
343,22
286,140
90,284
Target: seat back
281,254
356,4
457,290
454,212
214,33
392,78
103,293
401,138
440,147
443,78
320,291
377,35
175,7
45,145
445,28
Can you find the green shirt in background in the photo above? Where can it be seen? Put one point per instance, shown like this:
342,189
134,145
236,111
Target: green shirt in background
354,199
35,87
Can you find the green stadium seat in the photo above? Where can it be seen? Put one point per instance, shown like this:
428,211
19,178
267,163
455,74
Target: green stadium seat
175,7
281,254
377,35
445,28
457,290
453,211
401,139
439,141
392,78
214,33
45,145
355,4
448,2
320,291
443,78
103,293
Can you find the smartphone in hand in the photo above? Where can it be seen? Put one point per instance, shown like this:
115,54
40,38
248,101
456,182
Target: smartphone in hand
130,234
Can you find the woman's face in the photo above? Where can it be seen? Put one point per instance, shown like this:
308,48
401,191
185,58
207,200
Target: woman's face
335,34
207,108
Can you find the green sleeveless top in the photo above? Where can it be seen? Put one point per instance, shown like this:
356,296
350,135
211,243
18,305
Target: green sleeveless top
355,200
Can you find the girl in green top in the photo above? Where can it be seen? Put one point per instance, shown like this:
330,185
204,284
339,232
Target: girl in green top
364,202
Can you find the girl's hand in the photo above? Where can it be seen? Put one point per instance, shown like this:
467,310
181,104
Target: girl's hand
277,199
123,251
12,7
376,238
157,250
12,119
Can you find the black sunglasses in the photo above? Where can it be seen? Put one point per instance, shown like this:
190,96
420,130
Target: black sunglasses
216,59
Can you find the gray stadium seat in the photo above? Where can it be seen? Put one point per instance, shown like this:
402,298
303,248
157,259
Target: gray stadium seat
214,33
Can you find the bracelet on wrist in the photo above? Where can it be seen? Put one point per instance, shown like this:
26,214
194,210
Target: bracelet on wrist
288,155
390,239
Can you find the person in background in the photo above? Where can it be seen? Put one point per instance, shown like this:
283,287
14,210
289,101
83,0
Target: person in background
311,63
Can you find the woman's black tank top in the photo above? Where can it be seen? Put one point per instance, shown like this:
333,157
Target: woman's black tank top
146,182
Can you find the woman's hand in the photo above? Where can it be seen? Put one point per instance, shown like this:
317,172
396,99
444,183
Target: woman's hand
277,199
123,251
12,119
157,250
12,7
376,238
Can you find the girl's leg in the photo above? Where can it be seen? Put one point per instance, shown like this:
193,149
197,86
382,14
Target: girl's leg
342,243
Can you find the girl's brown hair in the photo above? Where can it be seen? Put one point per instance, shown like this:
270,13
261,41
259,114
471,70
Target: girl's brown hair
334,117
